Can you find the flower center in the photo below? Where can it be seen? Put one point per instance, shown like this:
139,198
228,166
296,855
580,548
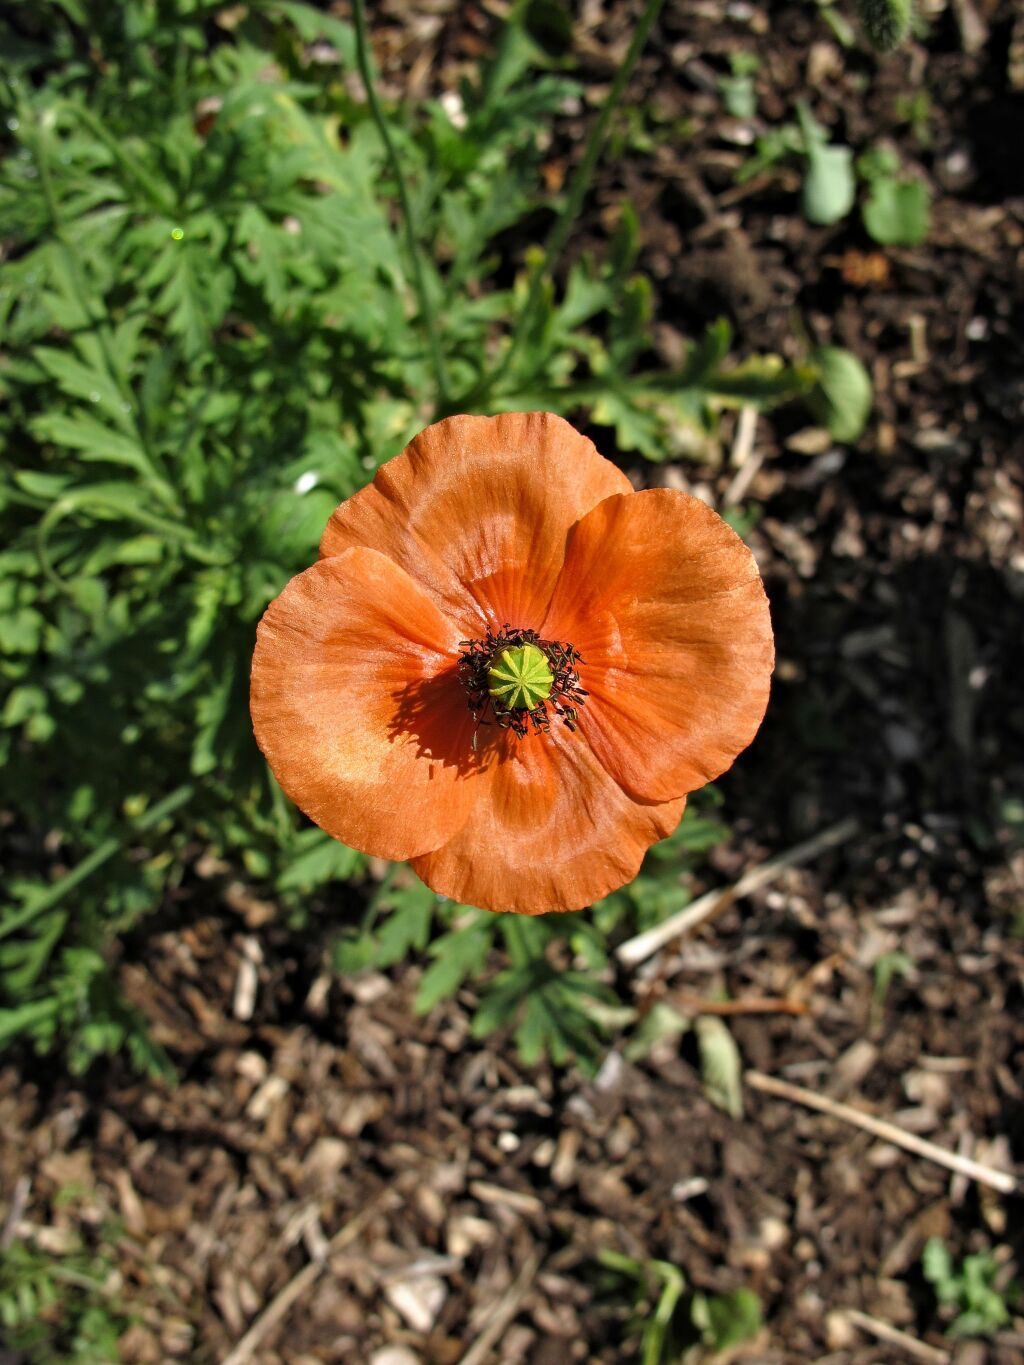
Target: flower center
519,680
520,677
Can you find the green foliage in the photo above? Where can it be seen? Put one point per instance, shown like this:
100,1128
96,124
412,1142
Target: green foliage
556,996
60,1310
887,968
896,207
979,1292
841,398
897,210
721,1065
671,1323
829,183
738,92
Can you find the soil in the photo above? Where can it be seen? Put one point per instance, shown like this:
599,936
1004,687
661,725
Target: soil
411,1182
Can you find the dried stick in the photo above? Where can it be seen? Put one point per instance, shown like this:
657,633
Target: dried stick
282,1302
744,459
636,950
888,1132
751,1004
505,1310
895,1337
19,1199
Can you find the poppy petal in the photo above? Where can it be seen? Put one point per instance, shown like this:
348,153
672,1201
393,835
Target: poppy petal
665,604
550,830
356,705
477,509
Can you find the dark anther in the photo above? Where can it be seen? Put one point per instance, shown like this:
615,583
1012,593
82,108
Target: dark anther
566,693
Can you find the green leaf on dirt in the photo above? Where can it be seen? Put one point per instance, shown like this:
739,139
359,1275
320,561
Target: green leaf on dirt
829,185
897,212
721,1067
829,182
661,1022
725,1320
841,399
457,955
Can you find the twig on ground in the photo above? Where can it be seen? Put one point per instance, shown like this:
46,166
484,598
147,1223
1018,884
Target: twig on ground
895,1337
645,945
282,1302
19,1199
751,1004
504,1311
743,458
1002,1181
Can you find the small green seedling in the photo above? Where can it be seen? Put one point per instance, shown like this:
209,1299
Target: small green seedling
887,967
979,1290
738,92
669,1320
829,183
897,210
897,207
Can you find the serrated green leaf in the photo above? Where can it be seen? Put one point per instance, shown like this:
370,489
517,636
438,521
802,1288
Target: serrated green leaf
312,24
78,430
79,380
409,913
457,955
322,860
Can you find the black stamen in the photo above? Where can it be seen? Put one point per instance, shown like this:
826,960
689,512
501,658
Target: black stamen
566,693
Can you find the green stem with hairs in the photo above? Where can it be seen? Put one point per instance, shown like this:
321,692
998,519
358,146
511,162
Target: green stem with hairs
569,212
419,281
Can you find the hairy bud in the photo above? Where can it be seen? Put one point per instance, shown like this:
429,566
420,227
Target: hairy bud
886,22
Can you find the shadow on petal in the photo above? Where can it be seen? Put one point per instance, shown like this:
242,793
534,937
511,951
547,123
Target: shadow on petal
432,712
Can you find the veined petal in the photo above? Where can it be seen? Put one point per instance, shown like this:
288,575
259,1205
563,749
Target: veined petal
477,510
550,830
356,705
665,604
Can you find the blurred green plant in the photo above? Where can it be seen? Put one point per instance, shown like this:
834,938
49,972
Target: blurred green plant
842,396
675,1325
977,1294
738,91
231,286
896,206
897,210
887,968
60,1309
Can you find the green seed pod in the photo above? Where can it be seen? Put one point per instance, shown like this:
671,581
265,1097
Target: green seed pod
886,22
520,677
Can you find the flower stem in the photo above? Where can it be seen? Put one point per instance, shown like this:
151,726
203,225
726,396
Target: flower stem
419,282
569,212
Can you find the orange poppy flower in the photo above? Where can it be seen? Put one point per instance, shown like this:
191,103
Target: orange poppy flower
509,668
